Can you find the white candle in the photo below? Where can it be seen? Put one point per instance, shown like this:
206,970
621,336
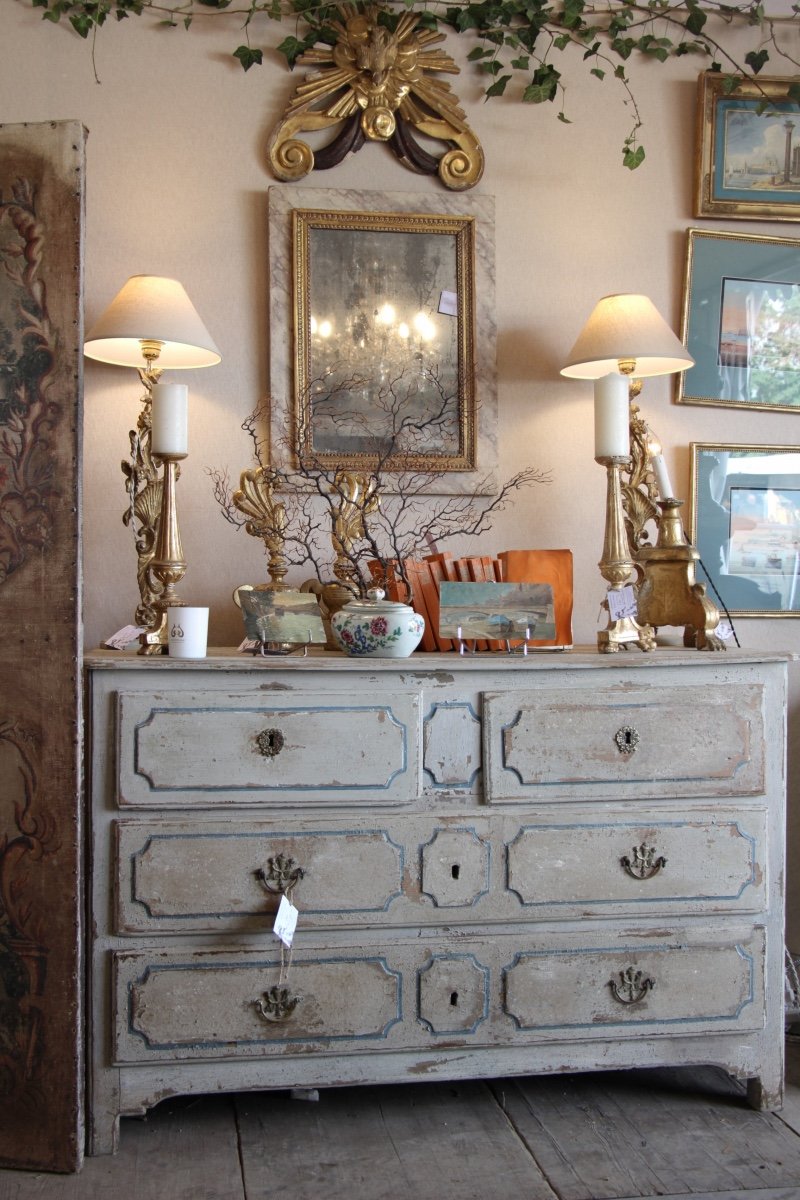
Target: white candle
169,419
611,417
662,477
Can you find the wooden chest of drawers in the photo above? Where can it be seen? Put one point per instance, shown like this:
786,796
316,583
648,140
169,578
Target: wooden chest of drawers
502,865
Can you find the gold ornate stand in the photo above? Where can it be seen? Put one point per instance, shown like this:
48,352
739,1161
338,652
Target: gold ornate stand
168,564
669,593
617,567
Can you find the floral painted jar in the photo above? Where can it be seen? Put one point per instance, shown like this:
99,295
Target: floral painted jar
377,628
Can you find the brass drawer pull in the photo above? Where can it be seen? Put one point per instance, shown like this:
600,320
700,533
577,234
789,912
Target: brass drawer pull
627,739
632,987
280,875
277,1004
270,742
643,863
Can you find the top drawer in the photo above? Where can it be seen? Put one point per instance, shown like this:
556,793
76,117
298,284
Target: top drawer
203,749
624,741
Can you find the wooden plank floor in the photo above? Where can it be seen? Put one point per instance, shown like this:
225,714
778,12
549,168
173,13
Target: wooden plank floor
624,1135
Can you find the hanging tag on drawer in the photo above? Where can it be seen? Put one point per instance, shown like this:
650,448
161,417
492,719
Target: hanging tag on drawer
285,921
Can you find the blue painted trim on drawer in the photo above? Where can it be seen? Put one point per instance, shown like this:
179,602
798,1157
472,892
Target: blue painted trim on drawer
445,957
487,876
273,965
465,783
265,714
619,952
748,837
260,912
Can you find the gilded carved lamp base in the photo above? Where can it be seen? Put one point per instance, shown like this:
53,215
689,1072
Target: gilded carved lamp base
669,593
617,567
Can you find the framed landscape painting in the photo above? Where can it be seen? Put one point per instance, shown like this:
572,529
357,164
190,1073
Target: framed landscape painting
741,321
746,526
748,148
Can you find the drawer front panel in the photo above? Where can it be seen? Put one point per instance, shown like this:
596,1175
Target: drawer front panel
719,865
636,986
624,741
410,993
205,1006
176,876
209,749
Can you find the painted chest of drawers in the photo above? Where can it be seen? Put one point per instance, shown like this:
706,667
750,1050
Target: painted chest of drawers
502,866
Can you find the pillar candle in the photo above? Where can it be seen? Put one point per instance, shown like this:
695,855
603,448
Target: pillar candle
662,477
611,417
169,419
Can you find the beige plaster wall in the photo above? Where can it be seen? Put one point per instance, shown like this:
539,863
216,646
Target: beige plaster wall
177,185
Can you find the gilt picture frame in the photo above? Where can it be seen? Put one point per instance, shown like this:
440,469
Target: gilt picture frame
745,524
382,317
747,162
741,321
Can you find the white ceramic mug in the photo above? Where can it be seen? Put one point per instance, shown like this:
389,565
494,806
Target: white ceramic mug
188,632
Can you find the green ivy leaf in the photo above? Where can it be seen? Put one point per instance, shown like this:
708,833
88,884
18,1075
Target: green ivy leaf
248,57
696,18
498,87
598,73
755,60
521,64
291,48
543,85
476,53
632,158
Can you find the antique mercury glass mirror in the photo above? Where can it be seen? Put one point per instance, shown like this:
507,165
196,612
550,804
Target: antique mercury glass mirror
383,335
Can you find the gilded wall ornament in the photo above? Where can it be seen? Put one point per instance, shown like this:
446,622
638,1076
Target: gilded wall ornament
375,84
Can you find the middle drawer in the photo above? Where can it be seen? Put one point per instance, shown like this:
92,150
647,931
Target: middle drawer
190,877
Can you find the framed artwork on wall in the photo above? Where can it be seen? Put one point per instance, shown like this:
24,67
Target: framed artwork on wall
745,523
748,148
741,321
383,336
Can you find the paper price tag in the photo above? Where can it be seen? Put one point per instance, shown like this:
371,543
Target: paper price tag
285,922
621,603
123,637
724,631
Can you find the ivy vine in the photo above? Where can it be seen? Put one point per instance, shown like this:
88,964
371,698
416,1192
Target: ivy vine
516,40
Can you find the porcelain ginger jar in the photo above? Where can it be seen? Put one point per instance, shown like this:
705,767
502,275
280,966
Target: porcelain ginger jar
377,628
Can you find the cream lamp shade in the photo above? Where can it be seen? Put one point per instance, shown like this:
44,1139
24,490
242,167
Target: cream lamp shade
626,333
154,310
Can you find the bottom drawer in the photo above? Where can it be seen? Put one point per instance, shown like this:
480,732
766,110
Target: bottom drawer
411,993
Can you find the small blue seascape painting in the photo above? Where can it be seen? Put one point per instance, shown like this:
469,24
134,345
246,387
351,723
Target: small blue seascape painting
498,611
281,616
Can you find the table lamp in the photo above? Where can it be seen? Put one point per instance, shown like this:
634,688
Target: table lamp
152,325
624,336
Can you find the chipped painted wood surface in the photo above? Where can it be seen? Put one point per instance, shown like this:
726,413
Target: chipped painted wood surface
41,860
451,931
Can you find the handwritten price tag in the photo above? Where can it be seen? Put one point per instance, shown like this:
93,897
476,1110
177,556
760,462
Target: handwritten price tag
285,922
621,603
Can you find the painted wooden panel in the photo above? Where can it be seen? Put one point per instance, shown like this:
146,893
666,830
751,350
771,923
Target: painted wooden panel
206,1004
455,867
175,875
209,750
41,276
647,741
671,987
501,923
714,864
452,745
